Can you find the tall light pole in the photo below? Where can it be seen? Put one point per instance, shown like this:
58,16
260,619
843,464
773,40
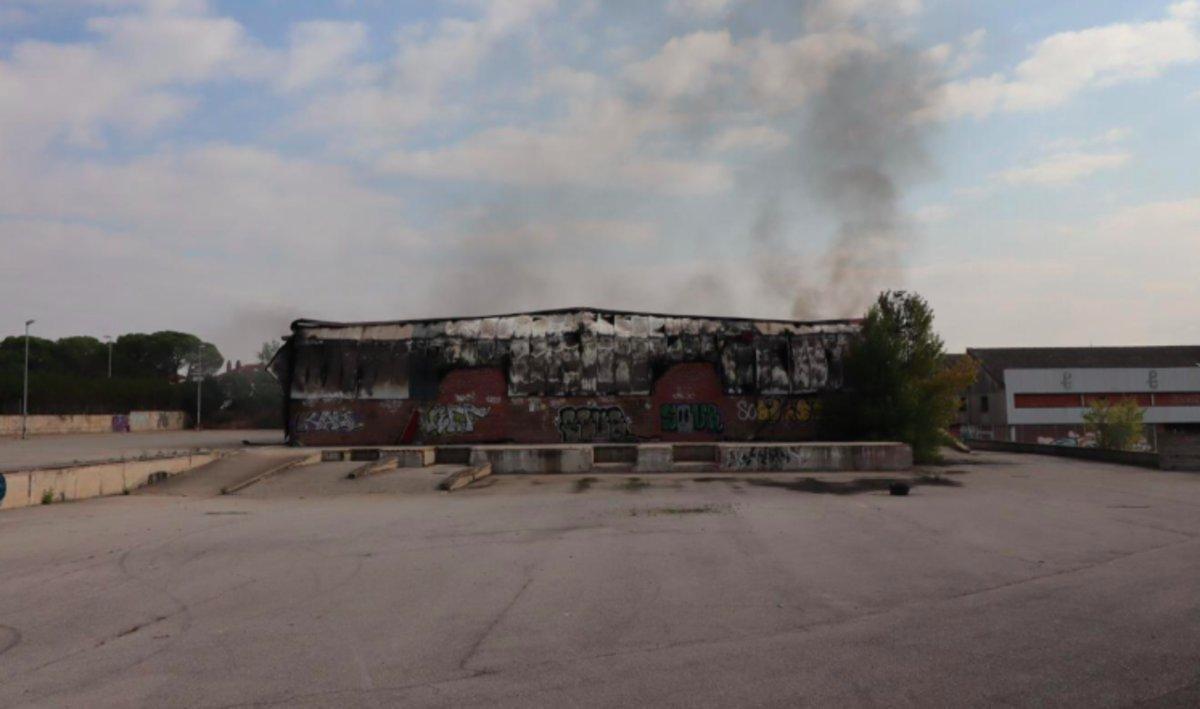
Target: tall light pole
108,339
25,385
199,379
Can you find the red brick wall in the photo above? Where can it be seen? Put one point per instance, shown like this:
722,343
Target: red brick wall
687,404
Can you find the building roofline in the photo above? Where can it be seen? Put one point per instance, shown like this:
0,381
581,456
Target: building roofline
306,322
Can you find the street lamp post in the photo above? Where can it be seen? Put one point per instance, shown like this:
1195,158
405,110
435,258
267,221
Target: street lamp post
25,385
199,380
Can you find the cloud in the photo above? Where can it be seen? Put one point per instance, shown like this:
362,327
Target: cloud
430,61
685,65
322,50
756,138
701,9
128,77
1069,63
1064,168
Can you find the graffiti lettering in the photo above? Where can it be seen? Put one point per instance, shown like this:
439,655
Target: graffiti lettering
593,424
776,410
691,418
762,459
452,418
330,421
3,488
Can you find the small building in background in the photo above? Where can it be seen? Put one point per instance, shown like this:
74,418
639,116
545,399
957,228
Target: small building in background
1040,394
579,375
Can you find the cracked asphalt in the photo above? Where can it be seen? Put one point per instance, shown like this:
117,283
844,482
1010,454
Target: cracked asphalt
1037,581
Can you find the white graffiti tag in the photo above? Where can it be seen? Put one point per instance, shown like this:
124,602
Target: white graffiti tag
330,421
452,418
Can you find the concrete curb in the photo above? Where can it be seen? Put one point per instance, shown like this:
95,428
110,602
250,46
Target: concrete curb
374,468
294,463
466,476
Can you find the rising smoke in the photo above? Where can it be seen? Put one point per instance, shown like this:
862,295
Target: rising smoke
847,104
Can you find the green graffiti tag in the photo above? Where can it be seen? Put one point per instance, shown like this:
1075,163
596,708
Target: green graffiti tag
691,418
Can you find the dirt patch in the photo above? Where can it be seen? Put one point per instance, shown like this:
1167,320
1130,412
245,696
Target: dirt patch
635,484
584,484
695,510
850,487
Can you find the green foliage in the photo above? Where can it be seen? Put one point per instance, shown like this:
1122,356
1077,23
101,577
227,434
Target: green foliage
1117,425
267,352
899,383
70,376
47,496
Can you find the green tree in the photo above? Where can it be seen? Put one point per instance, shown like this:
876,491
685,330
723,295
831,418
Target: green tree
899,383
1117,425
267,352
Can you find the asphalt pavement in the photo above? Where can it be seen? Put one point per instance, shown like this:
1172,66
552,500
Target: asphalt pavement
1032,581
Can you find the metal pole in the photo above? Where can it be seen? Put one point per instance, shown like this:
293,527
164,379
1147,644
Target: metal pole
25,385
199,381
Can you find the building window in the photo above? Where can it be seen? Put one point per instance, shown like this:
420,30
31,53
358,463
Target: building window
983,404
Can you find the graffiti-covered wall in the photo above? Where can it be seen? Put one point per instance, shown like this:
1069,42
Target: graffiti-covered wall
561,376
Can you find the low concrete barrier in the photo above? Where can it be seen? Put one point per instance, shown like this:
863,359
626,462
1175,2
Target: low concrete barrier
534,459
135,421
29,487
1137,458
791,457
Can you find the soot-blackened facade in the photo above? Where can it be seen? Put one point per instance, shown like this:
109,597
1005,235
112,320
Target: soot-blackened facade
581,375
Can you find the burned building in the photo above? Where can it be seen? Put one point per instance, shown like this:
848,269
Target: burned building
577,375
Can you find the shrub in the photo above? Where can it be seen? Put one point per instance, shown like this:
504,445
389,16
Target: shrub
900,385
1116,425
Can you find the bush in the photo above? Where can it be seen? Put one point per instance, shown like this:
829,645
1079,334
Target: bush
1116,425
900,385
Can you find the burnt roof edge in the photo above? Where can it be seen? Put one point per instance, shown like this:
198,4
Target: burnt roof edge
306,322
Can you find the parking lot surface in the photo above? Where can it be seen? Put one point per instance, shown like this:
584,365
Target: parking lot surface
1012,580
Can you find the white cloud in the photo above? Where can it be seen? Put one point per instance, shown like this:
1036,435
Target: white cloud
702,9
429,62
1065,168
128,77
824,13
958,57
322,50
749,138
686,65
1063,65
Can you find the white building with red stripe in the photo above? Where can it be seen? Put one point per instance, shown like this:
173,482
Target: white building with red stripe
1040,395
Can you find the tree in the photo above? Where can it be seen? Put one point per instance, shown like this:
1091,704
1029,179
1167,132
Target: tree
1116,425
899,383
267,352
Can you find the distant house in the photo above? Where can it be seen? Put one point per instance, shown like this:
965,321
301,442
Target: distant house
1039,394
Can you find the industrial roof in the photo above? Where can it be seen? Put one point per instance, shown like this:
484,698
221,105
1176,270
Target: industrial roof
997,360
308,323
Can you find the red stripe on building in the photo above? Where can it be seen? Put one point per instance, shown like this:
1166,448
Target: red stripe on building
1046,401
1177,398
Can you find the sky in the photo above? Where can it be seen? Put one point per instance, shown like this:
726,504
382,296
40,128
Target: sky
223,167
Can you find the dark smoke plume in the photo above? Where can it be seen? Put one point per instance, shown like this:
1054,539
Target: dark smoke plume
861,147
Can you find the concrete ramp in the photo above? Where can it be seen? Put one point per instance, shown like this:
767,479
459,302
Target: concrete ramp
330,479
209,480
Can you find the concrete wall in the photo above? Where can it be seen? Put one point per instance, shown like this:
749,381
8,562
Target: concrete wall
26,488
580,376
1179,448
136,421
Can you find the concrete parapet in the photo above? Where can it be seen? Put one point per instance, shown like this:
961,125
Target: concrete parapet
413,457
25,488
789,457
654,457
534,459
